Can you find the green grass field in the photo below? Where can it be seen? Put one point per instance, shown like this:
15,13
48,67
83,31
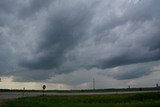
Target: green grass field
125,100
85,90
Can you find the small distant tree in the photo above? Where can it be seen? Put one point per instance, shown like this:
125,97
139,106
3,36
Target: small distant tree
157,85
129,87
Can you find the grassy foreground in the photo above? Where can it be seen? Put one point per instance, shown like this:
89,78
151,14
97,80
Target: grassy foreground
126,100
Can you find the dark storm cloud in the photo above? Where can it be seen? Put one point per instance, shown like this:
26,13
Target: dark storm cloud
43,37
6,8
64,30
32,7
148,41
129,58
133,73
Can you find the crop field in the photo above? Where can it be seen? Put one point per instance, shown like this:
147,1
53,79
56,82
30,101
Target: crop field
117,100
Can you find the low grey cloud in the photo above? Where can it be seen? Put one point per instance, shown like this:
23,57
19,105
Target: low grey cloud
32,7
132,72
43,38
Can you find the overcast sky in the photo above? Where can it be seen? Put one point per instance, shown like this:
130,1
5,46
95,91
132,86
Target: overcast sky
67,43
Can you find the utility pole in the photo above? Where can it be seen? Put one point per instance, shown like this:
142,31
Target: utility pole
93,84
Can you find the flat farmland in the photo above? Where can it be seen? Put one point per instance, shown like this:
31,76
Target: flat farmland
146,99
